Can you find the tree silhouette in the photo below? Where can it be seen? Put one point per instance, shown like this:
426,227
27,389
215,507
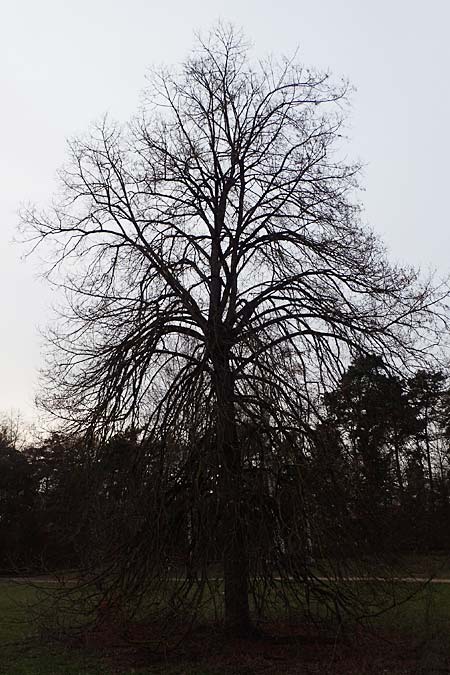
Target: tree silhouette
217,277
17,502
372,409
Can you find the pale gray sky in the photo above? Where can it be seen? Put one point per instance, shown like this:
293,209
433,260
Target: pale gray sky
63,63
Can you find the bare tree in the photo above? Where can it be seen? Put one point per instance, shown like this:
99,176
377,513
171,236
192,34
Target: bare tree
217,276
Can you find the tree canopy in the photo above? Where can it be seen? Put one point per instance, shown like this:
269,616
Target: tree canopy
218,279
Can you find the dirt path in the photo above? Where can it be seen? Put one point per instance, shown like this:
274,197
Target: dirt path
404,580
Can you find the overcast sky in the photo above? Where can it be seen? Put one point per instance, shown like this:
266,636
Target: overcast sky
66,62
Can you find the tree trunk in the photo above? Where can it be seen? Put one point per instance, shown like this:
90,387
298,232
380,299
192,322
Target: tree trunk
428,453
398,469
235,553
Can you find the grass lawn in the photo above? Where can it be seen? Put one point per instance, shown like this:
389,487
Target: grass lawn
21,651
410,638
24,652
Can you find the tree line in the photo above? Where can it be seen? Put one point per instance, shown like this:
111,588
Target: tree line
375,477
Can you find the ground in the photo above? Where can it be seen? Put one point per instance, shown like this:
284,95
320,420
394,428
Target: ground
411,638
